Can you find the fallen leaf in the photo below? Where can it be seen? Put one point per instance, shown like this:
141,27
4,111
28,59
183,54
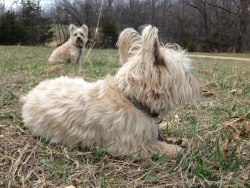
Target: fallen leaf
176,117
207,92
233,91
205,71
163,125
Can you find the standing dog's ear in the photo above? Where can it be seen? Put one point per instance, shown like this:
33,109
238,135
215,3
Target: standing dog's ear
72,28
85,28
151,46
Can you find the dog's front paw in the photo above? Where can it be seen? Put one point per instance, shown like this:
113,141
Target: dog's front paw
164,148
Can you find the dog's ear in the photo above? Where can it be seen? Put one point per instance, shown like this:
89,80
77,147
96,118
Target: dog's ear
85,28
129,43
72,28
159,60
151,46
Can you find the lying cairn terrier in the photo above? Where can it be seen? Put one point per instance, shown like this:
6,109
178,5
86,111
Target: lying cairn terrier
118,112
71,50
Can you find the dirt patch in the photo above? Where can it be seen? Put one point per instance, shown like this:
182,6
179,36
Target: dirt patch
221,57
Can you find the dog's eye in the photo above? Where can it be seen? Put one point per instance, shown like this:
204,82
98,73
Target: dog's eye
75,34
81,34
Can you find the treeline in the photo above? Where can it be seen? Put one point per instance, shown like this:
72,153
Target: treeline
25,26
199,25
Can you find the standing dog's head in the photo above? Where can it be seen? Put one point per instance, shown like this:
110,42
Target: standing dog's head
78,36
157,76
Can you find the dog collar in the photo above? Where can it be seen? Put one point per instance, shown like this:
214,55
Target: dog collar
140,106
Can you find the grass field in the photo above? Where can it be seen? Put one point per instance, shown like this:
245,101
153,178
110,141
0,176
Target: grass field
217,126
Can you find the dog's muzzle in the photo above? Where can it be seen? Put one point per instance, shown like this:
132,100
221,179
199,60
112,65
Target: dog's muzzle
79,42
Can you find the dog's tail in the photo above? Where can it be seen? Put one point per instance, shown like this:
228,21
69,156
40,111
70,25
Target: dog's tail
129,43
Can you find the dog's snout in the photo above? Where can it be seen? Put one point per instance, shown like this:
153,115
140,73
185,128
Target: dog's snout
79,39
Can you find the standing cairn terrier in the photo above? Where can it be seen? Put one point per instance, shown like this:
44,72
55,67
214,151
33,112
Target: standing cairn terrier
118,112
71,50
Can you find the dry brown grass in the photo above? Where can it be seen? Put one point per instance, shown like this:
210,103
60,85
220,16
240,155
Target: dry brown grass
216,125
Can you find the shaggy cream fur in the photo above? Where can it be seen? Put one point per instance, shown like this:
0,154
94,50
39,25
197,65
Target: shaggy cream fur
72,111
129,43
71,50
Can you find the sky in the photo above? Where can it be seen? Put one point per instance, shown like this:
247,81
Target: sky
9,3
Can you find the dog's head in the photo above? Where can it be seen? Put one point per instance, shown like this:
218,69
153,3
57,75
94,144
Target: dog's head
79,36
158,76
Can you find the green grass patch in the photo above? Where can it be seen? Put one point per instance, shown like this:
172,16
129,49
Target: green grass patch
216,126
